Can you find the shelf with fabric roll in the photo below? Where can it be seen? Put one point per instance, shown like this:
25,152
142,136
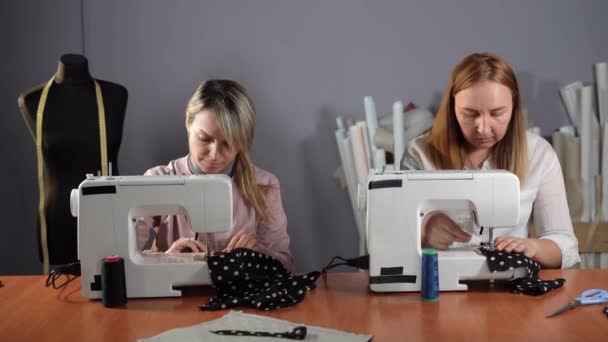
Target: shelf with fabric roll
592,243
582,149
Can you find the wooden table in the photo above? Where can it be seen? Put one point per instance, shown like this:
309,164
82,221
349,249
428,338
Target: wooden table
31,312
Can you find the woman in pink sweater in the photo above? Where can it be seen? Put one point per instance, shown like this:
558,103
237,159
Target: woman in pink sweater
220,121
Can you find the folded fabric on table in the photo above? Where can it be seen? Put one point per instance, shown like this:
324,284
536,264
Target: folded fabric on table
499,261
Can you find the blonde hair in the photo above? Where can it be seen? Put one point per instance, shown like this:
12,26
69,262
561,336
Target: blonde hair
446,141
236,116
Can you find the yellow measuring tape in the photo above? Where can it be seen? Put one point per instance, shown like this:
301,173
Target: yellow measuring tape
40,157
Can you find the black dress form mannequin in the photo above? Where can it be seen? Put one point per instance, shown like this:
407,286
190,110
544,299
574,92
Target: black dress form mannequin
71,144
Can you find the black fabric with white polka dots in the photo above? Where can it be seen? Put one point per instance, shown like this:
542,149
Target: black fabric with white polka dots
297,333
244,277
532,285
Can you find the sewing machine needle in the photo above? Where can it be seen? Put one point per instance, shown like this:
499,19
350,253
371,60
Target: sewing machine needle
208,245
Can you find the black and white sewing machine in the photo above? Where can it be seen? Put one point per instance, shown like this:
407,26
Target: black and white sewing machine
107,209
397,202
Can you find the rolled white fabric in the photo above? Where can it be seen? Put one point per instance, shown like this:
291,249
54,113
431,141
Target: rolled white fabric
589,132
360,150
398,134
345,151
371,118
572,177
557,141
601,83
570,98
346,156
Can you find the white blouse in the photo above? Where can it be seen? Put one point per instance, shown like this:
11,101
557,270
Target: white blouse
543,191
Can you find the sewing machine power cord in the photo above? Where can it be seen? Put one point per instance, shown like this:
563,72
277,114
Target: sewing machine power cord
361,262
71,271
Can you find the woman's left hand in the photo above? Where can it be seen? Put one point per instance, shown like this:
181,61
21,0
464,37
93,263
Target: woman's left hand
528,247
243,239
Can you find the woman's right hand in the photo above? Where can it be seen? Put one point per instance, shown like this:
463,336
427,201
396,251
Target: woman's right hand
439,231
186,245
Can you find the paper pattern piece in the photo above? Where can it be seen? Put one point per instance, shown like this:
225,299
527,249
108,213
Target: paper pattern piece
236,320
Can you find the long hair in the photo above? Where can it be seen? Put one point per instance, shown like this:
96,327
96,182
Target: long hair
446,141
236,116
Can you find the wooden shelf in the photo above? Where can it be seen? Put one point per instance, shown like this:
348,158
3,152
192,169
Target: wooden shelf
599,242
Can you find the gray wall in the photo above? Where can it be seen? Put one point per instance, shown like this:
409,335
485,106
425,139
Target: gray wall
33,34
304,62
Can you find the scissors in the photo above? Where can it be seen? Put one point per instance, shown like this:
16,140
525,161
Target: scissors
594,296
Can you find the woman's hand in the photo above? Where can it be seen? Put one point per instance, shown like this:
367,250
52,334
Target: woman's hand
245,240
186,245
528,247
439,231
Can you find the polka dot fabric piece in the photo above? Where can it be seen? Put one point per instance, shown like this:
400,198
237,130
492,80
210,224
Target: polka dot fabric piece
532,285
297,333
244,277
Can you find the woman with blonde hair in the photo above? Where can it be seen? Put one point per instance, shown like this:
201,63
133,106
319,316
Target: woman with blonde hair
480,125
220,122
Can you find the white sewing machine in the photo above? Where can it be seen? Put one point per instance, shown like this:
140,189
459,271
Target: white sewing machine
396,204
107,209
